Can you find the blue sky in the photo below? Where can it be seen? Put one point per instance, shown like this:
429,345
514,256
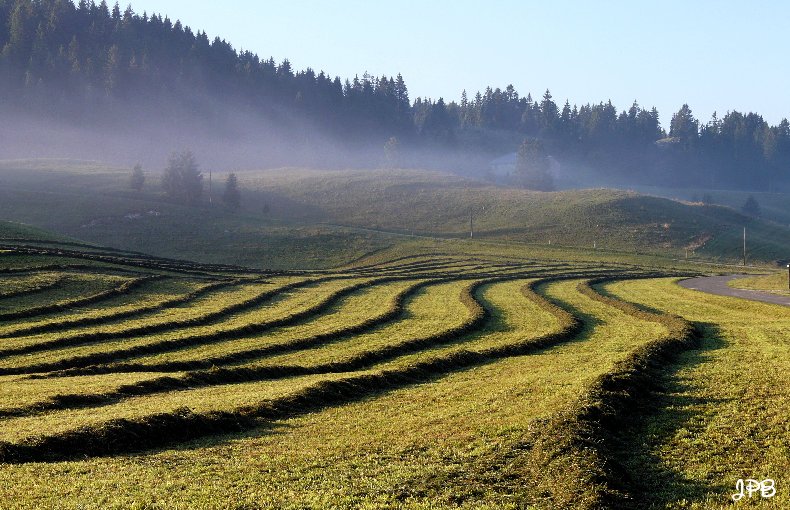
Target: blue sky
713,55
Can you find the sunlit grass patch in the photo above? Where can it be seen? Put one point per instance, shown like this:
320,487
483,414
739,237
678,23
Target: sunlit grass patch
775,282
724,417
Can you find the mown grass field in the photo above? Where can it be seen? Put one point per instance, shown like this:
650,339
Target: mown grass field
420,376
776,283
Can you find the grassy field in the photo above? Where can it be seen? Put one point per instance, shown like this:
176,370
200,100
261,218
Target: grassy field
430,374
723,415
417,368
425,203
309,219
91,201
774,282
772,205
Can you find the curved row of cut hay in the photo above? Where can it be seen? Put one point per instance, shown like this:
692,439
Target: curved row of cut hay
69,268
427,265
395,311
65,324
579,446
33,289
462,273
161,346
91,363
441,257
124,435
397,260
92,299
450,265
213,376
472,270
91,337
143,262
410,266
444,270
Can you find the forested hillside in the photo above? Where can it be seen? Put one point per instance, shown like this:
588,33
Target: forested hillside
87,62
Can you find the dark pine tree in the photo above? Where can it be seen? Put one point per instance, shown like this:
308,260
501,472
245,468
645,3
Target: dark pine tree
231,197
684,125
751,207
182,179
87,60
392,153
533,167
137,178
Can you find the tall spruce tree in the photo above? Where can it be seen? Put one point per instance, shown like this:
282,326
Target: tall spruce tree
751,207
64,57
392,153
182,179
231,197
533,169
137,179
684,125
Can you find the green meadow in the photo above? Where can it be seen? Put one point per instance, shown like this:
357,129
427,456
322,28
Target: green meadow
385,361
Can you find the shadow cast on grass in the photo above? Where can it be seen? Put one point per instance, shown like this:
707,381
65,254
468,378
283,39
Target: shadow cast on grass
651,479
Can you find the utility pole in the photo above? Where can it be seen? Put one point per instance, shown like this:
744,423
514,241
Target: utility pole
471,225
744,246
209,186
788,276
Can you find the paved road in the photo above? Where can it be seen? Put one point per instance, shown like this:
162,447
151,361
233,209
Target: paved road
718,285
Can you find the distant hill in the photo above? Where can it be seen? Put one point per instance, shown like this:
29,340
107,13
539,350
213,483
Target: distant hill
434,203
773,206
309,218
92,202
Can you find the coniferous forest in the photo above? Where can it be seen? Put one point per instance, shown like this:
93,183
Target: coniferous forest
85,61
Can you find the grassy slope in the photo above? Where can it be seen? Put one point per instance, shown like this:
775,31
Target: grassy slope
92,202
437,444
470,435
433,203
13,230
305,209
774,282
773,205
724,414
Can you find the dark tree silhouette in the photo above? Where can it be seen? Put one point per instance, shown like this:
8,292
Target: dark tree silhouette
392,153
182,180
684,125
231,196
137,179
533,167
75,60
751,207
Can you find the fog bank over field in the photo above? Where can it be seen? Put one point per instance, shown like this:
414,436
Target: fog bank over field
223,138
92,82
